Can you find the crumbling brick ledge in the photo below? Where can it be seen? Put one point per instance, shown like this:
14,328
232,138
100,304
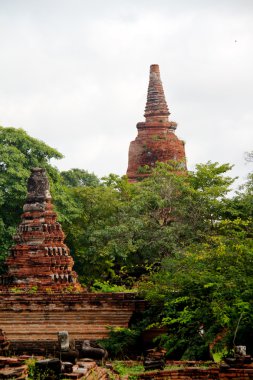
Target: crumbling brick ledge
31,321
199,374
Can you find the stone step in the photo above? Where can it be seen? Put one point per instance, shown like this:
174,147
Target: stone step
63,317
50,338
37,323
48,328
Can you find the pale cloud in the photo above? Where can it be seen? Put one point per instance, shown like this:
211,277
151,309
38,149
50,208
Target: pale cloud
75,73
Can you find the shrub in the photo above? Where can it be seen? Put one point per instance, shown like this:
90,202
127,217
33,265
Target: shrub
122,342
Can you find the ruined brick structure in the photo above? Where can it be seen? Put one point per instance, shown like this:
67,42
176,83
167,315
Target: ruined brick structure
40,258
189,373
156,139
31,321
40,294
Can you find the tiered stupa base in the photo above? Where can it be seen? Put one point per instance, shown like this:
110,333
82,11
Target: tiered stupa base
154,143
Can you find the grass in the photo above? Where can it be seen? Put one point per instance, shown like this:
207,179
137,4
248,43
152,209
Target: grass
132,369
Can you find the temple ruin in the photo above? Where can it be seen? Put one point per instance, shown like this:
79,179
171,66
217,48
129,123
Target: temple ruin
40,258
156,139
40,295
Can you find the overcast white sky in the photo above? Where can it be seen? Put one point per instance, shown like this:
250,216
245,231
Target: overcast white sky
74,73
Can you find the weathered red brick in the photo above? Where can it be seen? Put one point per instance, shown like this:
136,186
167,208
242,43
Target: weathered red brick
40,258
156,139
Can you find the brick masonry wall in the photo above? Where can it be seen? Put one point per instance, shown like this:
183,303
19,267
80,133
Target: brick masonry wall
30,318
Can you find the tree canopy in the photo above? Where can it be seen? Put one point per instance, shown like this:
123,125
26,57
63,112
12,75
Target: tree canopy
179,240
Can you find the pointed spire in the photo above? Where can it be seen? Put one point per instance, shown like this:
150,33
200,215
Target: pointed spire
38,186
156,140
156,106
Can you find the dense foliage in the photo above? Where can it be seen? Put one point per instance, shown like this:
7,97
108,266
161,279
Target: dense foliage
177,239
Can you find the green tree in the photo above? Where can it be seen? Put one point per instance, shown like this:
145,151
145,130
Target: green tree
79,177
241,205
95,230
122,231
206,291
212,182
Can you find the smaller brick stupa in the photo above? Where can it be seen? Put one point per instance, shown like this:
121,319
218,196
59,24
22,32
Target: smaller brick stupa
40,294
156,139
40,258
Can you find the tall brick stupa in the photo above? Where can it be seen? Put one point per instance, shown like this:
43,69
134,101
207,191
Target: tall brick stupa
156,139
40,258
